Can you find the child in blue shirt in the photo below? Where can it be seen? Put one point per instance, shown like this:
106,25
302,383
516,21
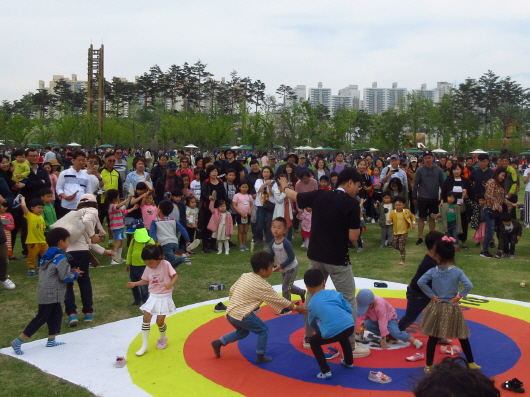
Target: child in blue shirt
335,322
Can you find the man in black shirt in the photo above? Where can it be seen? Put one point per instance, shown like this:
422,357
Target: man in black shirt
232,163
336,220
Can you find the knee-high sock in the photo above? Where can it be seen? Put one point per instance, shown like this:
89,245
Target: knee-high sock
146,327
163,330
227,247
219,247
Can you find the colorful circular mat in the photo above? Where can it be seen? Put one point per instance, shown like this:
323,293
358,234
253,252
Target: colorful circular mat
499,340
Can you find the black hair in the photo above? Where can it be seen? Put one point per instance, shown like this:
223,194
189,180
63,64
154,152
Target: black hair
78,153
453,377
196,171
483,156
252,162
30,150
432,238
396,181
506,217
219,203
36,202
141,186
386,193
282,220
152,252
112,194
324,178
44,191
399,199
4,204
446,251
230,170
348,174
108,154
166,207
261,260
451,194
333,174
244,182
313,278
177,192
305,173
48,148
210,169
18,152
55,235
469,158
504,157
480,196
191,198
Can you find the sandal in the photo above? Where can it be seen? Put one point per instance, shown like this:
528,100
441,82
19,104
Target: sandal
120,362
379,377
452,350
514,385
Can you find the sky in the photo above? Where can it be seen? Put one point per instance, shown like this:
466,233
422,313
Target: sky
286,42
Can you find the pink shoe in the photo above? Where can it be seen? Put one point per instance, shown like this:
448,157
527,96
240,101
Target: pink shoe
452,350
161,343
120,362
416,357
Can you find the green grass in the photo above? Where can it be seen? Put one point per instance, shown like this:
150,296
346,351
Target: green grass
490,277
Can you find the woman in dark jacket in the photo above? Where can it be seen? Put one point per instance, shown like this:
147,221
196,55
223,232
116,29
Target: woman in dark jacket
456,183
14,187
211,189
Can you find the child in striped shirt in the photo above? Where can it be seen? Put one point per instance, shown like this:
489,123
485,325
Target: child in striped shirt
117,220
249,292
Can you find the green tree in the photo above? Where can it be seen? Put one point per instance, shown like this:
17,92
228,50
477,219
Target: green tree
19,129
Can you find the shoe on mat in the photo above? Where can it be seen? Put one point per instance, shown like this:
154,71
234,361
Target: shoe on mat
443,341
306,344
72,320
514,385
331,353
161,343
219,308
89,317
326,376
344,363
379,377
120,362
474,366
416,357
452,350
360,351
427,369
284,312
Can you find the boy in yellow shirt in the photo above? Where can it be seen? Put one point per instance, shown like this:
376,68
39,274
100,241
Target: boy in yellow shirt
35,240
402,220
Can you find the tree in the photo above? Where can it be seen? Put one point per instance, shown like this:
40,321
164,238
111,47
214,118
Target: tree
43,100
19,129
67,128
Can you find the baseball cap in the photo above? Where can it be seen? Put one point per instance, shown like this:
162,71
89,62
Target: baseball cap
364,298
427,153
172,166
141,236
87,197
135,225
394,156
413,159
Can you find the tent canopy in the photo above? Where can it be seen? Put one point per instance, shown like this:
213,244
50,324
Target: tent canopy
439,151
106,145
478,151
73,144
190,146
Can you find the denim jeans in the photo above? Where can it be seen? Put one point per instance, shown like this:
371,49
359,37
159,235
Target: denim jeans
451,232
140,293
509,246
81,260
250,323
490,225
169,254
393,328
264,223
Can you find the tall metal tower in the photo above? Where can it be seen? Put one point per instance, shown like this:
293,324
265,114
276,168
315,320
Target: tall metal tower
95,74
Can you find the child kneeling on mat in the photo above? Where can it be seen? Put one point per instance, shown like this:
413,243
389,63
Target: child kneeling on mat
334,315
378,317
161,278
247,294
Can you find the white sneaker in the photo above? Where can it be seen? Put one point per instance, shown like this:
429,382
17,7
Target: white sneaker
373,220
8,284
360,351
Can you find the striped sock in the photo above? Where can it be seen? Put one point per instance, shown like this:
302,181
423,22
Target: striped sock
163,330
146,327
17,346
52,342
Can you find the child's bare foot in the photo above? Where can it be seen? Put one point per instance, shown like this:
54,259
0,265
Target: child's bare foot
401,263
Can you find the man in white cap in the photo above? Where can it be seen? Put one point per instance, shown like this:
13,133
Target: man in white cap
393,171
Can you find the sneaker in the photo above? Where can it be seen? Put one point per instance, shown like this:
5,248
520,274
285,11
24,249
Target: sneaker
360,351
89,317
120,362
419,242
72,320
382,246
326,376
373,220
331,353
443,341
346,365
16,201
512,256
284,312
186,261
306,343
359,249
498,255
242,248
14,258
486,254
8,284
256,310
219,308
161,343
246,248
31,272
379,377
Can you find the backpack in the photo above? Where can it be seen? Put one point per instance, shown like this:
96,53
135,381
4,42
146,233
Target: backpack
73,222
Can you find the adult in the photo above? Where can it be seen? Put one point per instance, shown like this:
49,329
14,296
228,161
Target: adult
148,158
159,169
511,182
448,168
292,159
393,170
379,164
335,222
495,198
457,184
290,171
111,180
411,172
168,182
137,175
6,174
184,168
425,192
58,156
481,175
264,159
272,163
49,154
264,198
321,169
120,165
232,163
365,192
526,179
92,169
301,164
211,190
443,162
340,164
73,183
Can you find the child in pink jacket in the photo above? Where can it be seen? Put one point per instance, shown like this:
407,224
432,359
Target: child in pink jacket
305,216
221,225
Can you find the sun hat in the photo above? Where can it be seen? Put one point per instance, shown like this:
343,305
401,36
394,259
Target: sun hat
141,235
364,298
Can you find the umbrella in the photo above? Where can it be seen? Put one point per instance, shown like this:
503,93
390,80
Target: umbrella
278,147
190,146
227,146
328,148
478,151
235,147
318,148
2,144
34,144
52,144
107,145
245,147
525,153
414,150
73,144
493,151
373,149
439,151
361,149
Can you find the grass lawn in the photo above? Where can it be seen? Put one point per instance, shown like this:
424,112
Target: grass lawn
491,277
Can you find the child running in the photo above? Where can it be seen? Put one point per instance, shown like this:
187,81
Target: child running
221,225
286,261
402,220
335,322
247,293
117,221
243,205
443,317
54,273
161,277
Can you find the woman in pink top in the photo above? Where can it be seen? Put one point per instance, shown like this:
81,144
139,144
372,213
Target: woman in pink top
161,278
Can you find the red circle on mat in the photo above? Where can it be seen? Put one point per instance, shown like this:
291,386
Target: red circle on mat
227,370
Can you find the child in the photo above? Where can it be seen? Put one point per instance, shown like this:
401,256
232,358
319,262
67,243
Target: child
7,226
179,210
286,261
196,184
135,265
334,178
305,216
247,293
335,322
443,317
192,217
377,183
402,220
53,275
164,231
186,190
117,221
509,233
35,240
324,183
161,278
48,213
149,210
480,233
378,317
383,211
21,167
243,205
221,225
451,217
